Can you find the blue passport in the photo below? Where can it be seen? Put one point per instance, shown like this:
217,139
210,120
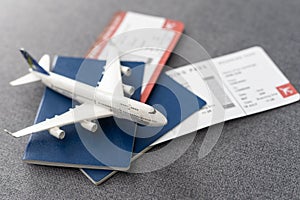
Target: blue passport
110,148
176,102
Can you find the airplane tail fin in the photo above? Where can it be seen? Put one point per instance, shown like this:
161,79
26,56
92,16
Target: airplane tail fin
35,66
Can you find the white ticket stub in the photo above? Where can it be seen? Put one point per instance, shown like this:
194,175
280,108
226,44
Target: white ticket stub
140,37
234,85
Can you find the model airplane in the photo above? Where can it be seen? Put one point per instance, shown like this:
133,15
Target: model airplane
106,100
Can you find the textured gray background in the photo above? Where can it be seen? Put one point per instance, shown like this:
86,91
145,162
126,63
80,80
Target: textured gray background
257,157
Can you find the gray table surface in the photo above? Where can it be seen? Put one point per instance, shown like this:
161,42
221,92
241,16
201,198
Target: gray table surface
257,157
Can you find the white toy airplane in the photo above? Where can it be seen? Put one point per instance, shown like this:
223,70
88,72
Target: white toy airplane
105,100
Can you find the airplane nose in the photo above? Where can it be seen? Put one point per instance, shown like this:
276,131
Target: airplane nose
163,120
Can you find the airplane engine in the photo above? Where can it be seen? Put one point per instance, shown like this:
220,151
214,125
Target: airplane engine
126,70
88,125
128,89
57,132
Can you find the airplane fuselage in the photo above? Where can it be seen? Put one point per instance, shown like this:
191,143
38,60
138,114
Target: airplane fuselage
122,107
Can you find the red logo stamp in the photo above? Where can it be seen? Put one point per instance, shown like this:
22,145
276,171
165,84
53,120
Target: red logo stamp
286,90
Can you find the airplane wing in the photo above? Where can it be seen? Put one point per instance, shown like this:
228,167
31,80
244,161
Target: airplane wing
77,114
112,81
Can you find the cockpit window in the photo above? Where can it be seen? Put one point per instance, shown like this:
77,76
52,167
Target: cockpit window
152,112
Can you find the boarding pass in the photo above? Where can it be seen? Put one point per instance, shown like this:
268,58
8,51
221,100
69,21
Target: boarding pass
140,37
234,85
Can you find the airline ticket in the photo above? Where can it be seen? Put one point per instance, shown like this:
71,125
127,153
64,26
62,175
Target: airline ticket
234,85
143,38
